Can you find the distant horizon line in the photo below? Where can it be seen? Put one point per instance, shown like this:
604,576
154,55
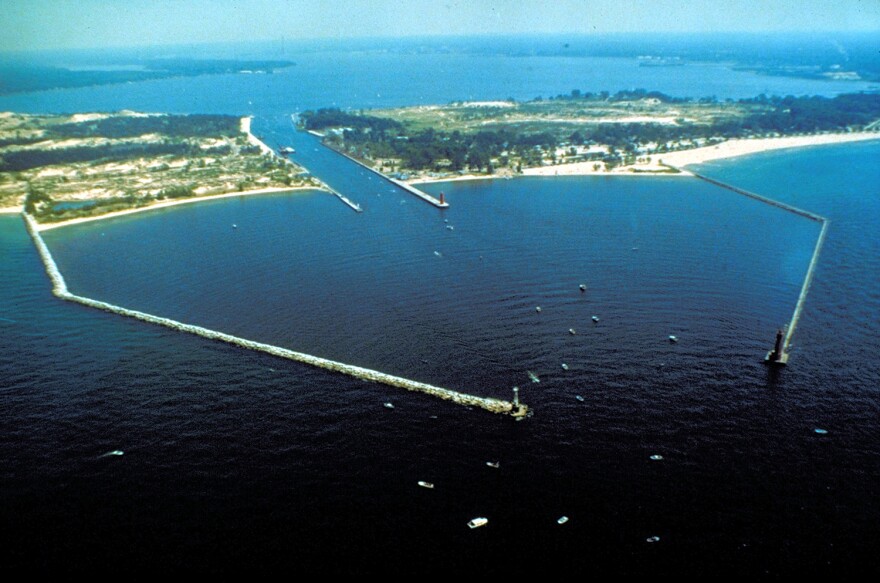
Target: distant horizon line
332,40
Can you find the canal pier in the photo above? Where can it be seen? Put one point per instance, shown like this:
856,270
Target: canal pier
439,203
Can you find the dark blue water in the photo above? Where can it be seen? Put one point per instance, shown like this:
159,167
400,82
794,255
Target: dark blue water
372,290
235,459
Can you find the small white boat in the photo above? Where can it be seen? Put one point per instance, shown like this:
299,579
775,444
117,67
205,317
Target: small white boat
579,398
534,378
653,539
478,522
673,338
389,405
538,309
582,287
115,452
450,228
495,465
564,366
562,520
571,331
595,318
427,485
234,226
657,457
438,254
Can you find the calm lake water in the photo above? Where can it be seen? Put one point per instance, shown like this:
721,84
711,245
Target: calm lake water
235,459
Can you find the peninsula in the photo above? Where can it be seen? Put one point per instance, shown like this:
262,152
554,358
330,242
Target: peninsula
63,168
630,132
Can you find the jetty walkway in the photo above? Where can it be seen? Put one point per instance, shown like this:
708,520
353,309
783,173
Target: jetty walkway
780,353
59,289
353,205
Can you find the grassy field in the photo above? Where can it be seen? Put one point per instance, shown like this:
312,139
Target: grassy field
629,131
560,115
504,137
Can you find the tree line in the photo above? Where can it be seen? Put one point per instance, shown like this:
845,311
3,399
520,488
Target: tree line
18,160
373,137
124,126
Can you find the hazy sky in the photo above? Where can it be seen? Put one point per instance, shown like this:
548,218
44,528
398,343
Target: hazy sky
50,24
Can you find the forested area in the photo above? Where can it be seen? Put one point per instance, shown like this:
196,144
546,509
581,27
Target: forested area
183,126
376,138
176,132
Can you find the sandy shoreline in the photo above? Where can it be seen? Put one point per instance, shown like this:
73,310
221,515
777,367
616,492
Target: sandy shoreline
252,139
728,149
586,169
11,210
577,169
740,147
462,178
169,203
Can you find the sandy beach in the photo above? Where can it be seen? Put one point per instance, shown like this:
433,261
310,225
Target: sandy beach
587,169
735,148
11,210
577,169
166,204
728,149
246,129
462,178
